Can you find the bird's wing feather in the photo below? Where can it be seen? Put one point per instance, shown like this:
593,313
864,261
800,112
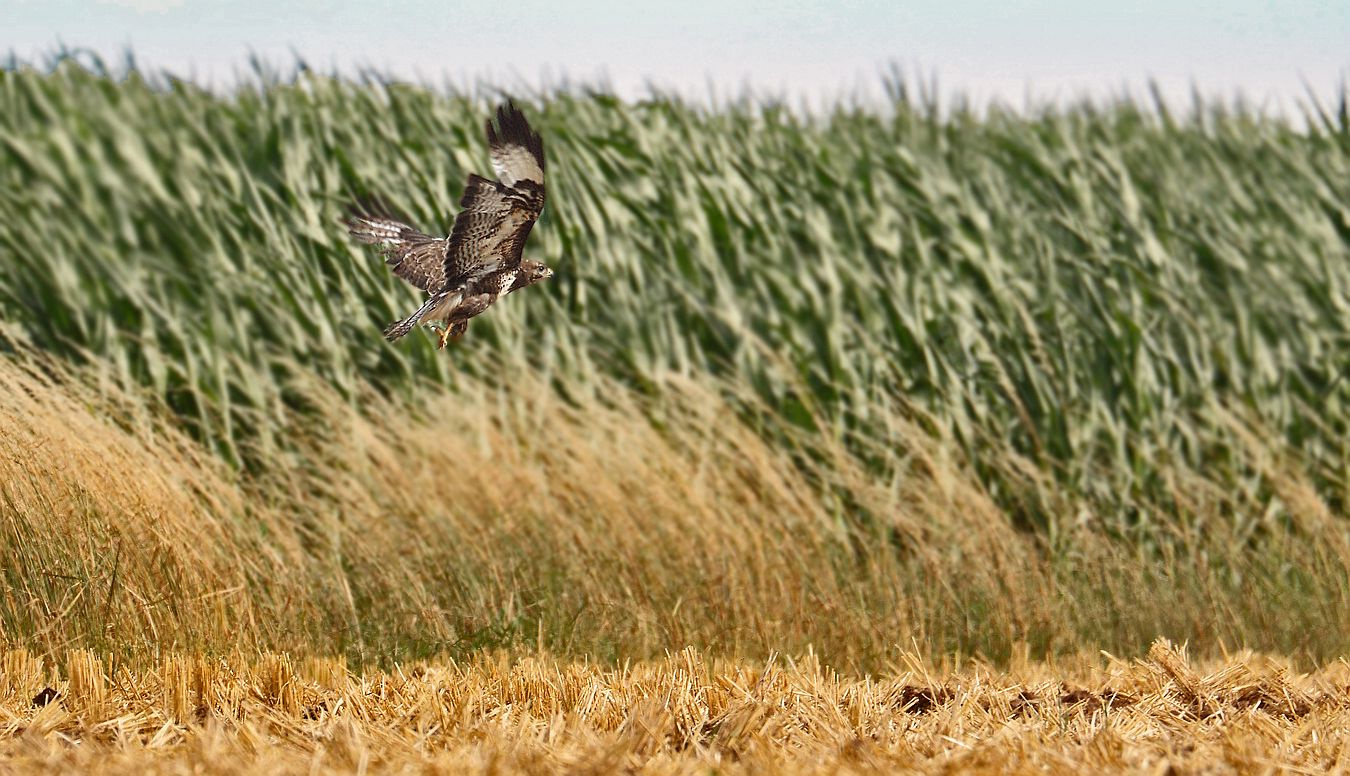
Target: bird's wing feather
517,151
480,230
490,233
413,256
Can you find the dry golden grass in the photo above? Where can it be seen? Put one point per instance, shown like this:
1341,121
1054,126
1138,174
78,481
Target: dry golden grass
579,526
687,713
604,527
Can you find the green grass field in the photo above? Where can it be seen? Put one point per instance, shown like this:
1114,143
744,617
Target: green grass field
884,376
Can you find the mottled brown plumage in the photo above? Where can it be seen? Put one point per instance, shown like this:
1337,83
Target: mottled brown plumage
465,273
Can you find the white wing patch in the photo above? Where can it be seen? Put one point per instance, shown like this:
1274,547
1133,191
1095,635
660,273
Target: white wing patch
514,163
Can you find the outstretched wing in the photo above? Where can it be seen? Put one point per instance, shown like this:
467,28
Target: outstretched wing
517,151
490,233
416,257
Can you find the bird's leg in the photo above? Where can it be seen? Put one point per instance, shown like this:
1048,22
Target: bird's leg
444,335
458,321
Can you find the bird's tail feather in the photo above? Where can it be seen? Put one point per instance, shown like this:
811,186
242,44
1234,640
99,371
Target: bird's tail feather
400,328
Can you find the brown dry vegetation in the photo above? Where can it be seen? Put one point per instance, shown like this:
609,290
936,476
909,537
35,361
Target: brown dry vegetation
686,713
602,527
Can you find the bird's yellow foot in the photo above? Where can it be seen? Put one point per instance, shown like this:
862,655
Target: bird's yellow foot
444,335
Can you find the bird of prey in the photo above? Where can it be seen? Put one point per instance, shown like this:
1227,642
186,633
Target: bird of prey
465,273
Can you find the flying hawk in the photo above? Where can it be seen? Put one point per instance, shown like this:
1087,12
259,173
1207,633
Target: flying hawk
463,274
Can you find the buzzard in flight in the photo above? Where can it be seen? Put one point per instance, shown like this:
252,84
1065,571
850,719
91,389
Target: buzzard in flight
463,274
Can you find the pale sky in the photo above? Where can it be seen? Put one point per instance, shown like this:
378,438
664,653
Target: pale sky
1050,49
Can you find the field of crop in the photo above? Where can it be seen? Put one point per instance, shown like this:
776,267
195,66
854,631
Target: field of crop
881,386
687,713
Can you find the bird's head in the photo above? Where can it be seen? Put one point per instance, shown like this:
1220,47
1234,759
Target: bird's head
534,271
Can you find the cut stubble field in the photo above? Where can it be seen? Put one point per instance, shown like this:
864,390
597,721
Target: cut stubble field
685,713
